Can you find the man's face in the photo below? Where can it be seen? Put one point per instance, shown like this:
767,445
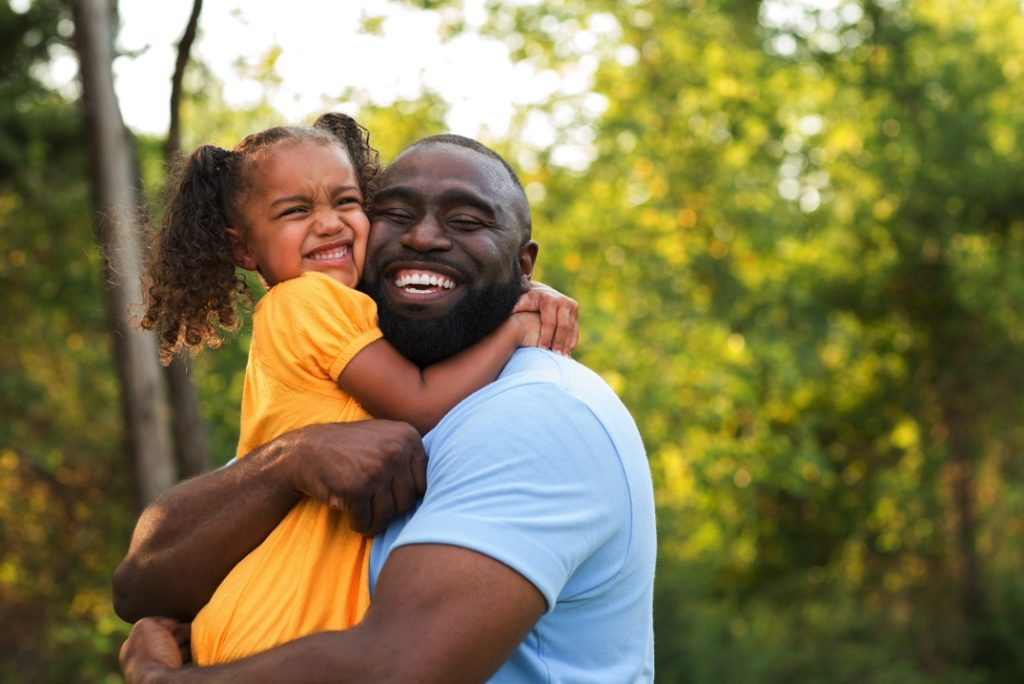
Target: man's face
447,255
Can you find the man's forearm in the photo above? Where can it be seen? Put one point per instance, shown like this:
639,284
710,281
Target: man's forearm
186,543
439,614
189,539
327,657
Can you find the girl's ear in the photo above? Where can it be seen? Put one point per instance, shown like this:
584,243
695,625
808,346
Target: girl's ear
240,253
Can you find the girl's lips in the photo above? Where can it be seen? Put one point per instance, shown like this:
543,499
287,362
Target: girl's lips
331,254
336,251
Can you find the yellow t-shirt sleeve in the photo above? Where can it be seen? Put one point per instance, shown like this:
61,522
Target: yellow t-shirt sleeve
317,326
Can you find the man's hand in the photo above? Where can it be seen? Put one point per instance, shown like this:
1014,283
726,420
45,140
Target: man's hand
154,644
187,542
440,614
372,469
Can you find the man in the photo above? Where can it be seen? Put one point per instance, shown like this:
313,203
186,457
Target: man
531,556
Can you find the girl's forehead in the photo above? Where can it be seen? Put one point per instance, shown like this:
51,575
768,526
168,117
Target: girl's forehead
297,168
303,157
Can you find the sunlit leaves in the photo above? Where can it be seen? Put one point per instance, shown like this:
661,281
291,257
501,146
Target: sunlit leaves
786,243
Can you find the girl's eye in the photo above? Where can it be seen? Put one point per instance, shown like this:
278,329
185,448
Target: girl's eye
341,201
292,210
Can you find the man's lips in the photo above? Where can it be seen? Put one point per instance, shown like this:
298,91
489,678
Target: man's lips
422,281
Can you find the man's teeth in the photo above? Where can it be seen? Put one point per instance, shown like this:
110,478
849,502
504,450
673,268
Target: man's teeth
424,280
337,253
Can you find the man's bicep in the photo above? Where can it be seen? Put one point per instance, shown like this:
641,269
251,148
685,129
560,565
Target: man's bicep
215,518
451,614
541,500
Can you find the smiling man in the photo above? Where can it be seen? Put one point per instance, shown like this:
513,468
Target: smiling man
472,238
531,555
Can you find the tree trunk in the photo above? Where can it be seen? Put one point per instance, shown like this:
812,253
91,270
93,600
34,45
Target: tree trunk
116,199
191,449
960,472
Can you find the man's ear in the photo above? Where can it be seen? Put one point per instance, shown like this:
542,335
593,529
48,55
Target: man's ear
527,260
240,253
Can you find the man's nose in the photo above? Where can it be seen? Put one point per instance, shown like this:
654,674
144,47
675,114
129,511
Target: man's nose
426,235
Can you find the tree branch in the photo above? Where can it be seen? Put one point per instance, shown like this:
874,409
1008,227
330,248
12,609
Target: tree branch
173,143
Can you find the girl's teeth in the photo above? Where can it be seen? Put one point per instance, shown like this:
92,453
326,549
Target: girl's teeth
338,253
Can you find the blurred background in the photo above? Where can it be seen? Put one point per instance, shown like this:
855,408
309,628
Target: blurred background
795,229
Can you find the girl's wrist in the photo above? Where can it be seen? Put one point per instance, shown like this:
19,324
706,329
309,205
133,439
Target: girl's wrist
527,329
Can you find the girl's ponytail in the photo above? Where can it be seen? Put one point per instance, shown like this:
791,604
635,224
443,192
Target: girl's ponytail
192,287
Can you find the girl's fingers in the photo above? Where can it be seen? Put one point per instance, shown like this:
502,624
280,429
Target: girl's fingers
566,332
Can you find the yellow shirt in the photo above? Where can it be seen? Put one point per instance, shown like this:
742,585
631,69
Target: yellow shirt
311,573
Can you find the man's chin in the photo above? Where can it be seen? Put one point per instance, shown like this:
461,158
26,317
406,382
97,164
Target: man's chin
421,306
430,330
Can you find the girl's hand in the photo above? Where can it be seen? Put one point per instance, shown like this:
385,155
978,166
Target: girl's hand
559,317
527,328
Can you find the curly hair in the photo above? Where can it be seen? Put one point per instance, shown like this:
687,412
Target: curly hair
365,158
192,288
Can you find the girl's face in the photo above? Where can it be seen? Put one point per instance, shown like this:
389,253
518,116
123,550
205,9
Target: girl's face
304,212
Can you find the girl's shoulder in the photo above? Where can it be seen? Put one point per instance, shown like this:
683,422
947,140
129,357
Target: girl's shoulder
315,302
312,289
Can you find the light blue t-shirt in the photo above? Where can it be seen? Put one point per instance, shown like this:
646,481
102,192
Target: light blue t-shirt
544,470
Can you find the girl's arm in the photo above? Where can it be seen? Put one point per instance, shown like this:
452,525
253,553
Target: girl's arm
559,317
388,385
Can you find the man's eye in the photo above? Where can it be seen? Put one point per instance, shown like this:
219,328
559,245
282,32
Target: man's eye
465,222
394,215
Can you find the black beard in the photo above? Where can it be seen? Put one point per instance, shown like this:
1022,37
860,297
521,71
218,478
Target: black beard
426,341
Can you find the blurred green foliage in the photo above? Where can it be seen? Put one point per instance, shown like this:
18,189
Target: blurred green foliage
796,231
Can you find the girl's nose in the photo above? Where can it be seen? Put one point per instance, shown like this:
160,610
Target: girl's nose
327,222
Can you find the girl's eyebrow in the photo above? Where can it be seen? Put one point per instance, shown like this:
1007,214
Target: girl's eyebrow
306,198
290,198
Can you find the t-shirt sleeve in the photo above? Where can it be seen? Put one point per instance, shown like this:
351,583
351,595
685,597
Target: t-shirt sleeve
530,478
317,326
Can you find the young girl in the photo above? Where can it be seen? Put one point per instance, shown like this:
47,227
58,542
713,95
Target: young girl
288,203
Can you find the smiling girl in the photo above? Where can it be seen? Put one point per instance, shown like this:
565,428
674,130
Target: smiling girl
288,203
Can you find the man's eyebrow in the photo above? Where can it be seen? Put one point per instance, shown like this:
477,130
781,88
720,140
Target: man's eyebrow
461,197
398,192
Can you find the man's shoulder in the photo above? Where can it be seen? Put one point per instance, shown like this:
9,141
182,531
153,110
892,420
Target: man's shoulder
540,394
535,376
533,366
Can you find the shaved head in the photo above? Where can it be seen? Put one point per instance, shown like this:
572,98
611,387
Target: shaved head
521,206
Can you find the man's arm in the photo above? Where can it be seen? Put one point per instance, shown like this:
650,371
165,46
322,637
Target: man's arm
439,614
189,539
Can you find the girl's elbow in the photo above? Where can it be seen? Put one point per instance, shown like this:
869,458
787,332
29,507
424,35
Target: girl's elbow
424,423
